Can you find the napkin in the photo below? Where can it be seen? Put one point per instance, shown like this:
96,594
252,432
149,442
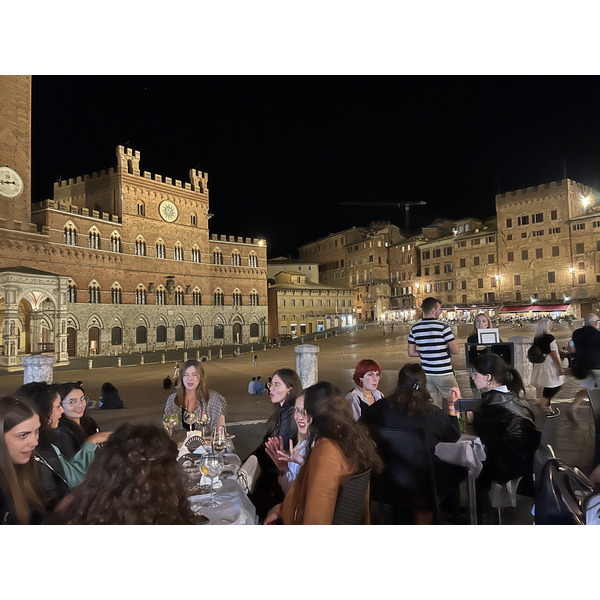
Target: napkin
466,452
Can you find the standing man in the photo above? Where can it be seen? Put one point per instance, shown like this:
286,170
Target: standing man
585,346
433,342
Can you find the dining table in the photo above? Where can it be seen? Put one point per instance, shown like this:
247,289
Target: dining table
234,508
467,452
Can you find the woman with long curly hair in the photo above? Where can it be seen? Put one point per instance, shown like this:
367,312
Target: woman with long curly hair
411,407
337,447
136,480
193,396
20,487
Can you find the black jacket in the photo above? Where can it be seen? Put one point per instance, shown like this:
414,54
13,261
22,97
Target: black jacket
8,516
507,429
70,436
52,475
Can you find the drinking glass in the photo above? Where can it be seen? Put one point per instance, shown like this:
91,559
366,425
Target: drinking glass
189,419
203,421
219,439
211,466
169,421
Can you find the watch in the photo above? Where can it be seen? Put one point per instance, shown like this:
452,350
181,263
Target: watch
11,184
168,211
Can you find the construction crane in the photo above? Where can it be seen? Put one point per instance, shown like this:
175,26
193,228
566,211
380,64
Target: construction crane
406,206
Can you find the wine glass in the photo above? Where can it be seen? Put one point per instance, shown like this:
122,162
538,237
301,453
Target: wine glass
211,466
189,419
219,439
203,421
169,421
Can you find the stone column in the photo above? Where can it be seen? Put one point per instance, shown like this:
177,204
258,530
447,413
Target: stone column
522,364
307,364
38,368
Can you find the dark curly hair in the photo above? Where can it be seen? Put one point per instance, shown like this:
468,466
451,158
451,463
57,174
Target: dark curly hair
332,418
43,396
411,391
134,480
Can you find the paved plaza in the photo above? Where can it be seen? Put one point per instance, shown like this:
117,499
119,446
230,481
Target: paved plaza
140,386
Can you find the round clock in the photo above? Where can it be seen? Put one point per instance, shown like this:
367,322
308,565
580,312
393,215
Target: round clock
11,184
168,211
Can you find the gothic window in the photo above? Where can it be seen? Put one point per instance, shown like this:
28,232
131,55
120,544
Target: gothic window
141,334
178,252
116,294
197,332
252,260
115,242
94,293
254,298
219,297
140,294
179,299
179,333
196,297
236,259
94,238
195,254
236,298
217,257
140,246
161,296
141,211
219,331
160,249
161,333
71,293
70,234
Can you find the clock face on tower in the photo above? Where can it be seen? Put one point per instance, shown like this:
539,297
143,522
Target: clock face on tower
168,211
11,184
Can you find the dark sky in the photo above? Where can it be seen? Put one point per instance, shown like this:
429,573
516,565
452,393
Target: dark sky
283,151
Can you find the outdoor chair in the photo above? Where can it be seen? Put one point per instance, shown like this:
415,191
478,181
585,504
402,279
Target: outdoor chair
407,481
350,506
594,396
550,429
464,404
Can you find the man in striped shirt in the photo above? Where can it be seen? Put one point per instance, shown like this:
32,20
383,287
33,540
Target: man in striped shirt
433,342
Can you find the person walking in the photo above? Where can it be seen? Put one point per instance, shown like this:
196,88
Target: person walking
585,349
254,360
433,342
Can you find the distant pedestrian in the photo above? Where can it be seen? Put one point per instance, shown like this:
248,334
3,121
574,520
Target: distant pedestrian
259,386
109,397
167,383
585,359
433,342
176,373
254,360
251,384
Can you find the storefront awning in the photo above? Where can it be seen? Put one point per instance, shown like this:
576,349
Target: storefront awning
535,308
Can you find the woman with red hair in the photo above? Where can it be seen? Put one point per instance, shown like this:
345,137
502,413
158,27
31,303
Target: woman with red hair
366,377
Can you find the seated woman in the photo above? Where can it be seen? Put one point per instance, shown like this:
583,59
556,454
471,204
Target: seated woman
285,388
367,376
74,426
194,397
58,475
337,447
135,480
410,407
109,397
481,321
20,486
289,460
505,425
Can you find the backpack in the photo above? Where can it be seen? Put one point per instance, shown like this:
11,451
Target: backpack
535,354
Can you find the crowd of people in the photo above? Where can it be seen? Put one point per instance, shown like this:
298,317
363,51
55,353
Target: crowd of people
57,467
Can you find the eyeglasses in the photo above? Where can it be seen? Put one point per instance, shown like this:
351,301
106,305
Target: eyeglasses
277,385
73,401
302,412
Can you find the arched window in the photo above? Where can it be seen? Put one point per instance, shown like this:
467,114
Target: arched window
116,294
236,298
160,249
115,242
219,297
179,333
193,219
71,293
161,333
253,330
197,332
141,334
70,234
178,252
140,246
94,292
140,294
196,254
141,209
254,298
116,336
253,259
161,296
179,298
217,257
219,331
94,238
236,259
196,297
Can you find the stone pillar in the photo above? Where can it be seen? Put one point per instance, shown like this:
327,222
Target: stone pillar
209,354
90,363
38,367
185,357
307,364
522,364
220,352
162,359
118,361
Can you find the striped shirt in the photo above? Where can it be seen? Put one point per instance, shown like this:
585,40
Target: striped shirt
431,338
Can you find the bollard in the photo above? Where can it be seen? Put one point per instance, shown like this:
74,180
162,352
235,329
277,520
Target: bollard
220,352
118,361
185,357
209,354
162,359
307,364
264,346
197,354
141,359
90,363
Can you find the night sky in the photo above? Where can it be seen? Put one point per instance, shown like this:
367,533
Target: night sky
282,152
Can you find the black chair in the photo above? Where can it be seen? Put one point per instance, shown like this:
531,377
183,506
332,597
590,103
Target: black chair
594,396
542,455
464,404
350,506
407,481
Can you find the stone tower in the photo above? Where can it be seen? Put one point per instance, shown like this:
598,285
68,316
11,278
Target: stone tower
15,147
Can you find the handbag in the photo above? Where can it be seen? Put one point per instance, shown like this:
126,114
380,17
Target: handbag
561,496
579,368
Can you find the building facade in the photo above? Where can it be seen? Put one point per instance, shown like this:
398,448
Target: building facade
144,272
